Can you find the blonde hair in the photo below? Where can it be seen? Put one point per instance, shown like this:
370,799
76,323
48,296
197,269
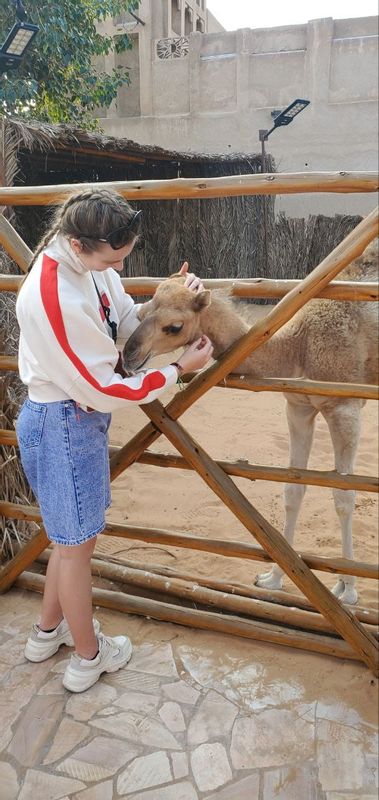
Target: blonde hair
96,212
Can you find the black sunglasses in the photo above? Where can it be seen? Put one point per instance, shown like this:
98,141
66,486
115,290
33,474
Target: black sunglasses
120,236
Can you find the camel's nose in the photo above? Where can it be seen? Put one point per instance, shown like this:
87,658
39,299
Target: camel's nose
129,356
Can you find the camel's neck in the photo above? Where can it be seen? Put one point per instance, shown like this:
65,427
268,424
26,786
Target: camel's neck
223,325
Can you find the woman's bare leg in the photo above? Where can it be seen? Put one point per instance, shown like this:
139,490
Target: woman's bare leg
75,594
51,614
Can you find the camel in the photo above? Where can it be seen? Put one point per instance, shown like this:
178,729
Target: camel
325,341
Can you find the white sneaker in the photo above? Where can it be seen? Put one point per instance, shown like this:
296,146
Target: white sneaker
81,673
41,645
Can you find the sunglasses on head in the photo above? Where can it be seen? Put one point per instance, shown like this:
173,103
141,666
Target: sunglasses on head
119,237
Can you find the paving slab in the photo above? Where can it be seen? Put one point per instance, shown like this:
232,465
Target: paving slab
195,716
213,718
210,766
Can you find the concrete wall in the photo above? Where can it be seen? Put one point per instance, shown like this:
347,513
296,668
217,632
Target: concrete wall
217,92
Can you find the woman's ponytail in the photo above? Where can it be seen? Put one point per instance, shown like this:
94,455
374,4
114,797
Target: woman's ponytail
44,242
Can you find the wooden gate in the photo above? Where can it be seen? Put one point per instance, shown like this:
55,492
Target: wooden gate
265,615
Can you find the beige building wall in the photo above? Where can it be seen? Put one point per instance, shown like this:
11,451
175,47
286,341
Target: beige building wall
212,92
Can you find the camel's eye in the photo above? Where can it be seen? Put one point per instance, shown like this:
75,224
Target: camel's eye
172,328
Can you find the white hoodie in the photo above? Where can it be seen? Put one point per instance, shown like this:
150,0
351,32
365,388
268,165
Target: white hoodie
66,351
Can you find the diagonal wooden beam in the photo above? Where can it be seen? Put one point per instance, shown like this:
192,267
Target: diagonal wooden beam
14,245
362,642
30,551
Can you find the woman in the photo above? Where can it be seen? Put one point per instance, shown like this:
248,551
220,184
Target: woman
72,311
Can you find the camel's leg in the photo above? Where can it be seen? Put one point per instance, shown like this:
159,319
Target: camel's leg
301,418
344,422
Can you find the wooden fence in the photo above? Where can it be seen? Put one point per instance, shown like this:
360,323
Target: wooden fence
315,621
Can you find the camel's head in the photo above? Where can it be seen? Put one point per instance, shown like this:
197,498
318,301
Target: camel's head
171,319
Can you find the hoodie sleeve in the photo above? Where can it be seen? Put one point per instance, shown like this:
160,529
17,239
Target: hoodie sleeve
82,355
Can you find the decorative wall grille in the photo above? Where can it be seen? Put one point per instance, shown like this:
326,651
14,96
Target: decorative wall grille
172,48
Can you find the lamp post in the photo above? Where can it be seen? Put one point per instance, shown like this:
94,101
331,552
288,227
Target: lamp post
18,40
283,118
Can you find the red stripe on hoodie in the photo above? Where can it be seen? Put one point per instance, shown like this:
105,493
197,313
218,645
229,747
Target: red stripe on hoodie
50,300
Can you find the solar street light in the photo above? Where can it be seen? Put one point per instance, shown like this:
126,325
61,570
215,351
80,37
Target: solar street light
283,118
18,40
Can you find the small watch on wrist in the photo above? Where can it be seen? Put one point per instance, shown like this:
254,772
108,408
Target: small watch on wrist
178,366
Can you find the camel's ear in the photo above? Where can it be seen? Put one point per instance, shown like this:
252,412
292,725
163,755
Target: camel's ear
144,310
177,276
201,300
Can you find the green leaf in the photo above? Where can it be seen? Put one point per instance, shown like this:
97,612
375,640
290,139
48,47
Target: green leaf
57,80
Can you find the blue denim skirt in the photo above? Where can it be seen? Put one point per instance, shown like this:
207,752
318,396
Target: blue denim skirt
64,453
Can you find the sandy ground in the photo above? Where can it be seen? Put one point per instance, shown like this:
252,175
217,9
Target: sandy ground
235,425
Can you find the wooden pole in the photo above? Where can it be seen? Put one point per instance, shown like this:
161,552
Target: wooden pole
206,620
10,283
253,472
232,549
200,188
284,598
297,386
30,551
224,601
8,363
288,385
8,437
14,245
237,549
265,287
254,287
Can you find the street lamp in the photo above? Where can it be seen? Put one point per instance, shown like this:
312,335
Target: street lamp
18,40
284,118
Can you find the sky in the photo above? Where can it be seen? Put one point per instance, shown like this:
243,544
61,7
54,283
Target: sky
233,14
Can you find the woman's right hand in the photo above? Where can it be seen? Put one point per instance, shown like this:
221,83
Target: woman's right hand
197,355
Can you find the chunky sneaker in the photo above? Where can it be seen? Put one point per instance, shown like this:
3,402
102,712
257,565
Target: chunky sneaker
41,645
81,673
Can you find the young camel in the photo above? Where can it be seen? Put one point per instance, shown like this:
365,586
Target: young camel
325,341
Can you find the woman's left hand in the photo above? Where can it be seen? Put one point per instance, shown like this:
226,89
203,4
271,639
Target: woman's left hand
191,281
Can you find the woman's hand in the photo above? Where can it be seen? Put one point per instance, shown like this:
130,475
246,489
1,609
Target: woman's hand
191,281
197,355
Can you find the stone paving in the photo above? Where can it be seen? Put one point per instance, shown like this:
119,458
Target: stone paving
195,716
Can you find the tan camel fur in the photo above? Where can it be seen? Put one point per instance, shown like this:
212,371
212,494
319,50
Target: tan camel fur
325,341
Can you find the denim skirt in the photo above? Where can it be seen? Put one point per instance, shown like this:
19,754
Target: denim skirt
64,453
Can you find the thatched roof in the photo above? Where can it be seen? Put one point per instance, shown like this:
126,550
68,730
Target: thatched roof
42,154
59,141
